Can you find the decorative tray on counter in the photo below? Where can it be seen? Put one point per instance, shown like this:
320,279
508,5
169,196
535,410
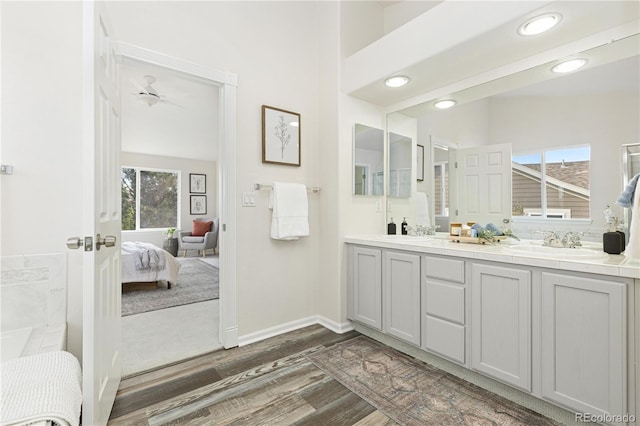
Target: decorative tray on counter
475,240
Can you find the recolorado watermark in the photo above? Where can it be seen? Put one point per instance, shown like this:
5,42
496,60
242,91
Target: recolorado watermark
604,418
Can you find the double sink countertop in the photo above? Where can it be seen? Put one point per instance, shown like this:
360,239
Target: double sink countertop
589,258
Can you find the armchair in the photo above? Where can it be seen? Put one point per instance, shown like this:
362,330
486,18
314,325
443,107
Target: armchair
188,241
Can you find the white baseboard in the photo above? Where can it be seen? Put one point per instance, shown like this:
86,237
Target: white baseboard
257,336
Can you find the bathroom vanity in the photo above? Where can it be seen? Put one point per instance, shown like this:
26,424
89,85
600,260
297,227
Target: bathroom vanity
559,326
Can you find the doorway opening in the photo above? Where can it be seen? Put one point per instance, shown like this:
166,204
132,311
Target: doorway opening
174,115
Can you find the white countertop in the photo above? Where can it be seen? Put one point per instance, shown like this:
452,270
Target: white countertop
590,258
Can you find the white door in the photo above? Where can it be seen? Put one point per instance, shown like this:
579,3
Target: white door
365,282
101,204
584,344
484,184
501,324
401,300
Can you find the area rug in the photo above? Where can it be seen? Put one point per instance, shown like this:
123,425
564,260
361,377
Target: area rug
414,393
197,281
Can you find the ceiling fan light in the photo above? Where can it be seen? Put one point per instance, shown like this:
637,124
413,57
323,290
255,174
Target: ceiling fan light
569,66
444,104
148,99
396,81
539,24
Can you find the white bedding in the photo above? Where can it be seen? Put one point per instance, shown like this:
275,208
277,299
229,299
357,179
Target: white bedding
130,255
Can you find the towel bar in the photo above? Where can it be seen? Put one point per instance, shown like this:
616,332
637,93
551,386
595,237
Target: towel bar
260,186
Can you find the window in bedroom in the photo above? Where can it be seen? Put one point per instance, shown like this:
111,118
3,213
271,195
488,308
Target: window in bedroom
552,184
149,198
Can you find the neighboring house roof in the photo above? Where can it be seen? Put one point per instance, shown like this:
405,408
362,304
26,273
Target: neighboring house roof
573,178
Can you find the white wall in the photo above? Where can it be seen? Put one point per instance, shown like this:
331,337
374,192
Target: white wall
41,138
184,167
273,47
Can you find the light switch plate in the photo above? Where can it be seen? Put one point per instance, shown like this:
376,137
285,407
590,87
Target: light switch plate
249,199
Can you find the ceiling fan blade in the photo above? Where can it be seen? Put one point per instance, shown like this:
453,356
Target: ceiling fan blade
139,87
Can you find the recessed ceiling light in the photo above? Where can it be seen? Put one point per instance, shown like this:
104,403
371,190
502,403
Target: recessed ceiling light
396,81
569,66
539,24
444,104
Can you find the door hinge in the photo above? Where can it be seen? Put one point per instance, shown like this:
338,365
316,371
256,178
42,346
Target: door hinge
455,165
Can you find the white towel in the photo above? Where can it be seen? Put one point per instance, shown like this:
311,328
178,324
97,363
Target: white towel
290,219
422,209
41,387
633,248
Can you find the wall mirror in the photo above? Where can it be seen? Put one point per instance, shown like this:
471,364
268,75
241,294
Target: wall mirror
400,165
532,110
443,156
368,160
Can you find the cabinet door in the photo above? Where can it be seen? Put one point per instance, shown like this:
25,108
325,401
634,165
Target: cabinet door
365,284
401,286
501,324
583,343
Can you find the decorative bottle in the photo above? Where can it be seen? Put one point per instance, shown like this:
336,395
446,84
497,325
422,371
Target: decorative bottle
391,228
613,242
404,226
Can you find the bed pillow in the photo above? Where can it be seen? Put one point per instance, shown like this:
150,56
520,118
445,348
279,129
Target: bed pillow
201,228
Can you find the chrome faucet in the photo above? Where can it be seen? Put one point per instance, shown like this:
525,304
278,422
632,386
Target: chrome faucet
421,230
572,240
569,240
551,239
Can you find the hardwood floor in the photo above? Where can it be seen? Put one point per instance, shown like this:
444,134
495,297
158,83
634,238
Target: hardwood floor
273,382
269,383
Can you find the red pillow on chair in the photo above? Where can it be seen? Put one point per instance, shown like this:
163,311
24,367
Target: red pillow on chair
201,228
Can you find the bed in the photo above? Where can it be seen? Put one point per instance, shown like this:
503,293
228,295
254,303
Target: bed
147,263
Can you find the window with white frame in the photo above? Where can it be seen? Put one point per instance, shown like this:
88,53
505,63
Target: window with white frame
552,183
149,198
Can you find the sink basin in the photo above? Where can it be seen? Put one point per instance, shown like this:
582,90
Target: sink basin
559,252
406,238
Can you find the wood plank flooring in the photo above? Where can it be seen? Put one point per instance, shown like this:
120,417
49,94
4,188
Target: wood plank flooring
266,383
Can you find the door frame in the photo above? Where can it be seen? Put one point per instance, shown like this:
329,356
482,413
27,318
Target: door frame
227,83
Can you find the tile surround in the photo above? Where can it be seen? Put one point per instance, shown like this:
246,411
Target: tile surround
33,290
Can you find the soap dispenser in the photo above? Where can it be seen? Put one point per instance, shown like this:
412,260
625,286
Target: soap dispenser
404,226
613,242
391,228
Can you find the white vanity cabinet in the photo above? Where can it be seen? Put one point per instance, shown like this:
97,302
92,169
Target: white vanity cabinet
443,307
501,323
364,302
567,337
584,326
401,295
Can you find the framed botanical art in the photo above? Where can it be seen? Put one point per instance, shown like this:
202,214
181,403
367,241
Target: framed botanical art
280,136
197,183
420,162
198,204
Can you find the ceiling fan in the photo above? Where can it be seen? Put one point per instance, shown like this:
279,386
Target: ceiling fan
148,94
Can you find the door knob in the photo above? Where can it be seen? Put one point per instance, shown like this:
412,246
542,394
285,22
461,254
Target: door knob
107,241
74,243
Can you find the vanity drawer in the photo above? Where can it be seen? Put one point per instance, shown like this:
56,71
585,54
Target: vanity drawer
444,269
444,338
444,300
